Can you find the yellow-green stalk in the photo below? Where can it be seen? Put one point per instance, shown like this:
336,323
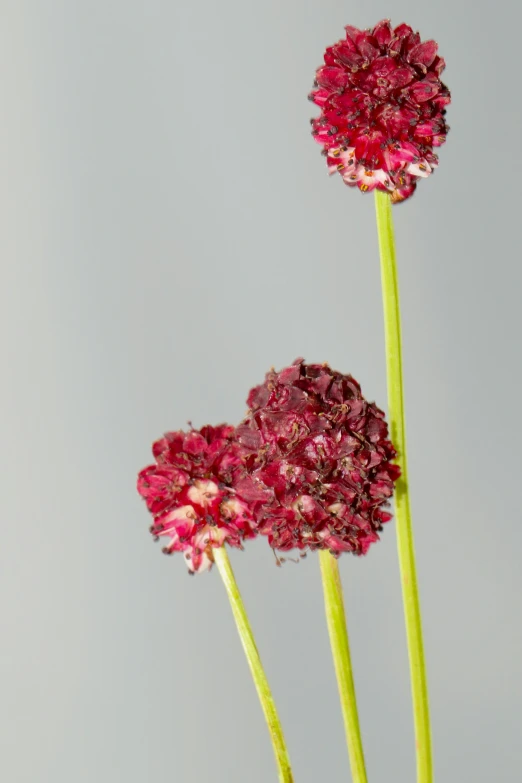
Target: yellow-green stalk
408,572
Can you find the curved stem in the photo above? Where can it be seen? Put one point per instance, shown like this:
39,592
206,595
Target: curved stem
410,594
336,620
254,661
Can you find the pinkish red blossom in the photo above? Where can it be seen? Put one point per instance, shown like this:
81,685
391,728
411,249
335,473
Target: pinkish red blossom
319,462
190,491
382,108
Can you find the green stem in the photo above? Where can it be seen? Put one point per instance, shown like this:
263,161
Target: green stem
254,661
410,593
336,620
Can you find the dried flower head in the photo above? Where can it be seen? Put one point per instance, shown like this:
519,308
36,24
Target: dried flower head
319,461
190,492
382,108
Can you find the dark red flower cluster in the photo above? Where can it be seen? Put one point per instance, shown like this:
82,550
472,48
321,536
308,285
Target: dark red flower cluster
318,459
311,467
382,108
190,493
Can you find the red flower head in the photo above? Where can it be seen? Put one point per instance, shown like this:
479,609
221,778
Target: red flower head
382,108
190,493
319,461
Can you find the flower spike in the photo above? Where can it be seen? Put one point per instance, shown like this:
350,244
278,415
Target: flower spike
382,108
319,462
190,492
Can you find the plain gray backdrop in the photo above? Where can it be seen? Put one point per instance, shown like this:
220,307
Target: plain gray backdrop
168,233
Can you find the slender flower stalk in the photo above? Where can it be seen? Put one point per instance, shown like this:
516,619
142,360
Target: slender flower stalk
247,640
337,629
392,326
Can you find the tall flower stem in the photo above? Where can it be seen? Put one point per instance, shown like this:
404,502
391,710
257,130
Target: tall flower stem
256,667
336,620
410,594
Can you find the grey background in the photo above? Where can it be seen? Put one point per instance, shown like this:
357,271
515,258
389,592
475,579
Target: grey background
168,233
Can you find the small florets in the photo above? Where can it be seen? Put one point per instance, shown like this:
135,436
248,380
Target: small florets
319,462
190,491
382,108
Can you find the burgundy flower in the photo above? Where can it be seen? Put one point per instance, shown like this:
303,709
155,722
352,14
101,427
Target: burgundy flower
319,461
191,494
382,108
